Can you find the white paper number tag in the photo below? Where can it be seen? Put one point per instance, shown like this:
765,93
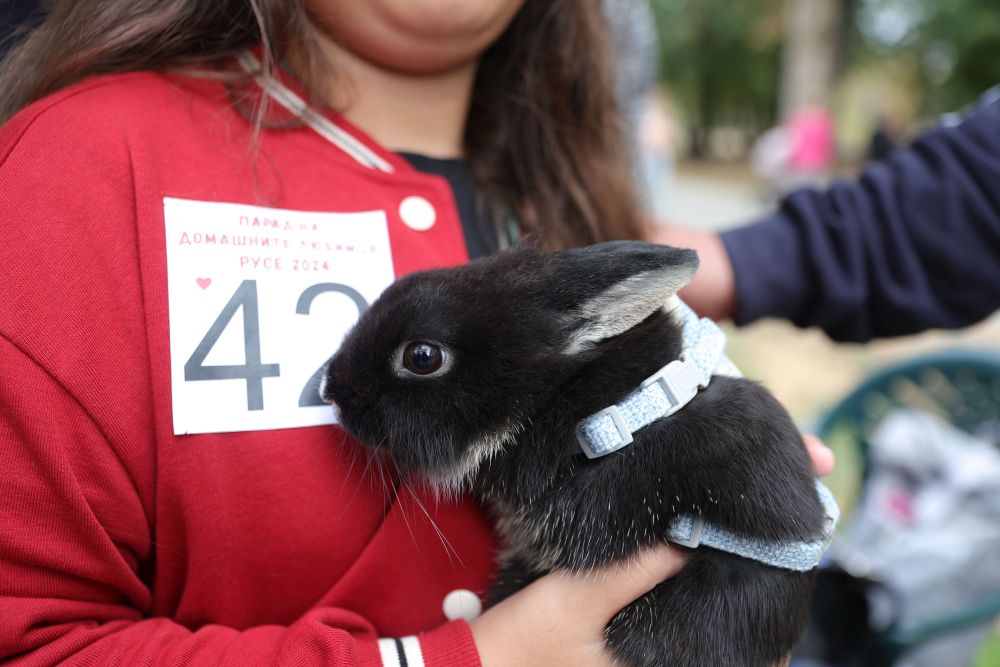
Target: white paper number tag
260,298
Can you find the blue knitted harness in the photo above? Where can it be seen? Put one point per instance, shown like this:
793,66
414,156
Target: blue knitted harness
664,393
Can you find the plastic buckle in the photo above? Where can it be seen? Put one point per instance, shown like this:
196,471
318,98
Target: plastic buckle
679,380
694,539
624,432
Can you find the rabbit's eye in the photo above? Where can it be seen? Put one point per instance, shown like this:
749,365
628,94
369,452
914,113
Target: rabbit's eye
422,358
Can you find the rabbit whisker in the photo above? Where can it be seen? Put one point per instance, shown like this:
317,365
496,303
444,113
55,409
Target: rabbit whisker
449,549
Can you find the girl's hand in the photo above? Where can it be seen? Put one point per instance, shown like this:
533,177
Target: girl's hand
560,619
821,455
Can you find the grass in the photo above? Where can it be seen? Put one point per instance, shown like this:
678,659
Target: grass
989,656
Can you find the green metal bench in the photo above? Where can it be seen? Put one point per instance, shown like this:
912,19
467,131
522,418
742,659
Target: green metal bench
960,386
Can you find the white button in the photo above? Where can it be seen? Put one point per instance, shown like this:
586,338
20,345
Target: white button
462,604
417,213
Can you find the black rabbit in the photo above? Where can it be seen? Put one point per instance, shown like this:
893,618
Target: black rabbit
477,377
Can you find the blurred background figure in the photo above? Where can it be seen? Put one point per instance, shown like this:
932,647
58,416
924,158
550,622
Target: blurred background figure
657,146
885,138
812,150
796,154
647,119
636,48
770,157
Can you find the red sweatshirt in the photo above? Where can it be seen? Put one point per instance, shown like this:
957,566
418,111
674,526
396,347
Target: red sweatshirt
161,499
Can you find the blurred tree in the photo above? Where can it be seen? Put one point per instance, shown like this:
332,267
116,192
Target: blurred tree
954,45
721,61
812,53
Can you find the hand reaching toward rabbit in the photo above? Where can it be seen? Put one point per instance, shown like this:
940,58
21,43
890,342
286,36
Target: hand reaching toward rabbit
712,292
560,619
821,455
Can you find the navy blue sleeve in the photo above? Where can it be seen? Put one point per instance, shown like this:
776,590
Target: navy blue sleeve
913,244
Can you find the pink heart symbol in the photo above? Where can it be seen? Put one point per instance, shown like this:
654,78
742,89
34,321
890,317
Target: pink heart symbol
203,282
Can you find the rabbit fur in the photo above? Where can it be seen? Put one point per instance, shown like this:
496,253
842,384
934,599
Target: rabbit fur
531,343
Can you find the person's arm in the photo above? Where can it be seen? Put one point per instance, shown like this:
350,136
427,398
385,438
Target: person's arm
913,244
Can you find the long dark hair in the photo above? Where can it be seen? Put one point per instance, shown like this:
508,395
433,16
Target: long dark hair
543,134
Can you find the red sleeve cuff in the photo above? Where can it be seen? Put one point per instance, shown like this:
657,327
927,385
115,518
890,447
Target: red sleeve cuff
450,645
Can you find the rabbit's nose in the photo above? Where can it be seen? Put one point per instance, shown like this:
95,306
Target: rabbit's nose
333,385
324,390
336,388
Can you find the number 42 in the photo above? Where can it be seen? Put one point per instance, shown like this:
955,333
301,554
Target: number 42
254,370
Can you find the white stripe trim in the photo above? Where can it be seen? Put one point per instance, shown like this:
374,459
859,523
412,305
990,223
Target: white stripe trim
411,647
318,122
389,651
387,647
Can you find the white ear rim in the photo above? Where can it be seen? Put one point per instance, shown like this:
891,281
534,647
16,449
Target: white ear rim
623,305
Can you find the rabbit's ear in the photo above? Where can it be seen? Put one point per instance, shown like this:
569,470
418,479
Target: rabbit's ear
607,289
